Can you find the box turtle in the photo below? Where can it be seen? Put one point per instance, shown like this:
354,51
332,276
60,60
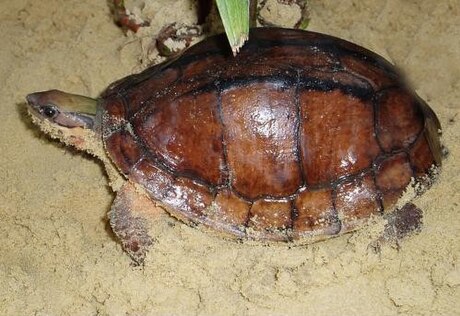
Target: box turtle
300,137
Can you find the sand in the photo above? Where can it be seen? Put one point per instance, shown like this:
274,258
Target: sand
58,256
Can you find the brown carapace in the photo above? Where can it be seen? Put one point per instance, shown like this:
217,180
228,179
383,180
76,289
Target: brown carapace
301,136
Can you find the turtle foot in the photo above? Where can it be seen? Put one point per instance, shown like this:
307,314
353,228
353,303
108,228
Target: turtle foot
400,224
128,222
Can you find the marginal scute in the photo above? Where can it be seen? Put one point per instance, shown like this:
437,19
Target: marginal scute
183,197
156,181
432,133
315,214
356,200
421,156
229,212
399,119
123,149
270,219
393,175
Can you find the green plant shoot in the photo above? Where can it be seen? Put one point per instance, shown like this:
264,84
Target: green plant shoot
235,18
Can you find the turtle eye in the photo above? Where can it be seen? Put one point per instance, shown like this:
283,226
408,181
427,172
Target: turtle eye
49,111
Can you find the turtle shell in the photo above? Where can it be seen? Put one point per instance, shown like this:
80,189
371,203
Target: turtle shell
302,135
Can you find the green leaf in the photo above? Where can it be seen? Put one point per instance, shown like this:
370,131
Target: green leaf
235,17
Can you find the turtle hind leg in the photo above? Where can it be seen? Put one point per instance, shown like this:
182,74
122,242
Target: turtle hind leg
128,219
404,221
400,224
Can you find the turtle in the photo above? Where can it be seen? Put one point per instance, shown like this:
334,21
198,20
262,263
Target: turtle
300,137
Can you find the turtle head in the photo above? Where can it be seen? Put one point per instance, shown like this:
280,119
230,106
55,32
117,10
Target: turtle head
69,117
63,109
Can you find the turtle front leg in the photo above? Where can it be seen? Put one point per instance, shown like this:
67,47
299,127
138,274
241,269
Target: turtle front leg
128,219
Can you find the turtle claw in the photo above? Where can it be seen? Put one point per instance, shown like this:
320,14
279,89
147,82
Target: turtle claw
400,224
129,224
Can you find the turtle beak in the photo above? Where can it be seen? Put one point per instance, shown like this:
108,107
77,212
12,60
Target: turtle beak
34,105
32,100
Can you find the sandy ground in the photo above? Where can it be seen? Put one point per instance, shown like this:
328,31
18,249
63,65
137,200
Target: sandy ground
58,256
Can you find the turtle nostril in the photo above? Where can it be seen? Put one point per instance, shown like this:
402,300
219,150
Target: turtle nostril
32,98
